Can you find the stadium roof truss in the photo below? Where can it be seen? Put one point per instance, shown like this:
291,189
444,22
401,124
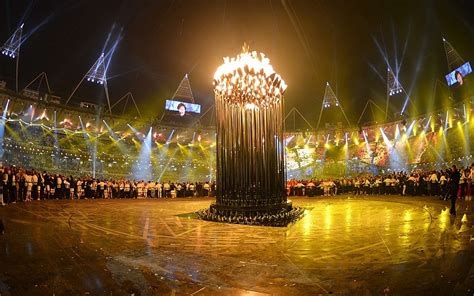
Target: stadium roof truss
294,113
126,98
39,79
370,104
330,100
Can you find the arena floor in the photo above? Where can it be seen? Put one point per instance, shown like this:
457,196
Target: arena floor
363,245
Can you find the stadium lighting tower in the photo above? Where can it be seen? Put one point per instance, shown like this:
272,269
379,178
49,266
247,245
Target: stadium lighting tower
11,48
394,87
97,74
251,179
452,56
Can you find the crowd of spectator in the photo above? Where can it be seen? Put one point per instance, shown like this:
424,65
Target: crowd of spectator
421,183
20,185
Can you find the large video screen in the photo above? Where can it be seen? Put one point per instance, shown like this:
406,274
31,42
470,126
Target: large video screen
182,108
456,77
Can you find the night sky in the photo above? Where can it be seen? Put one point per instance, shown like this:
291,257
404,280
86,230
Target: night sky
308,42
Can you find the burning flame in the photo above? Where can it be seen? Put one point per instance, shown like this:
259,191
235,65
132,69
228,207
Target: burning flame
249,80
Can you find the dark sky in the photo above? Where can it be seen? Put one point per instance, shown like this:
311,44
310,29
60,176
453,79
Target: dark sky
308,42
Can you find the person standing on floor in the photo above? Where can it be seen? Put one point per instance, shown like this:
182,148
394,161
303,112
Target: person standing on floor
454,179
67,186
29,186
34,190
2,186
59,186
79,189
5,188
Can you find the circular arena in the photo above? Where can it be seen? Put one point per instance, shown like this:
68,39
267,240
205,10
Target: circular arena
236,148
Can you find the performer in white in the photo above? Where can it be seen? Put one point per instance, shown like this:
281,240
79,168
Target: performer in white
28,185
79,189
71,190
67,187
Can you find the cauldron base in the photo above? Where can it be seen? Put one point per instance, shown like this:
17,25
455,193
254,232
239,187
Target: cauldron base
275,216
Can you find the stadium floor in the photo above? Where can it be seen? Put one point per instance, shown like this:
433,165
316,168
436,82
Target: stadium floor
357,245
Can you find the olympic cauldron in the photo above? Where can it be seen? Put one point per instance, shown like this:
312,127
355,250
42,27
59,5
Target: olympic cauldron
251,178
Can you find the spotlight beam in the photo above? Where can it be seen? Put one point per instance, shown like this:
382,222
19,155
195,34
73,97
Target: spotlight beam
140,171
2,128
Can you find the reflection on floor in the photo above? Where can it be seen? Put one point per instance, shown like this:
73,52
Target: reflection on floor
361,245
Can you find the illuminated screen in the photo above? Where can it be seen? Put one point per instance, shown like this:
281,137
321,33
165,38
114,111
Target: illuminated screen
457,76
182,107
